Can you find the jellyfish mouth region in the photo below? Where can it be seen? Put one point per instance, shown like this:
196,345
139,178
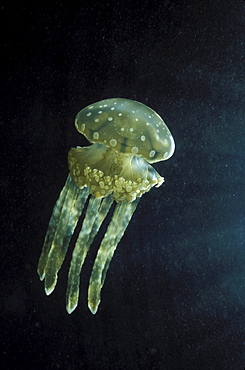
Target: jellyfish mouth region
105,171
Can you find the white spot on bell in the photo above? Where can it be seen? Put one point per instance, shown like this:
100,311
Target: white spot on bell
110,118
142,137
134,150
113,142
152,153
89,114
96,135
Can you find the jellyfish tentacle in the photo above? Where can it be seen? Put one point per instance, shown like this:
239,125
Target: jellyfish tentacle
52,228
95,214
104,209
73,219
127,210
119,222
79,254
70,213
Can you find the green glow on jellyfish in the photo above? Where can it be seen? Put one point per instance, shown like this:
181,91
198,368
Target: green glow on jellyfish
126,137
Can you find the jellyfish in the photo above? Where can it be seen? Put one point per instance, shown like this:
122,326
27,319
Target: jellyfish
126,138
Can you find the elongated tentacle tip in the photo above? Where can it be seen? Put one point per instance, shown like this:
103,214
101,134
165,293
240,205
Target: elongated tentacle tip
93,307
49,289
94,295
41,270
70,308
41,275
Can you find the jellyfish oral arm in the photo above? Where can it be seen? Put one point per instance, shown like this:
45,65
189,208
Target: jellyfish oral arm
125,179
125,176
120,220
95,215
62,224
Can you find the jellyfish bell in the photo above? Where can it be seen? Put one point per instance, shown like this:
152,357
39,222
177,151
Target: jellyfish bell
126,136
126,126
129,135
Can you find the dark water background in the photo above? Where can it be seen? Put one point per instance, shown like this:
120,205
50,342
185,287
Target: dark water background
174,296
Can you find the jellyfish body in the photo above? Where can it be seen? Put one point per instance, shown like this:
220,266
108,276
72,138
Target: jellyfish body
126,137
